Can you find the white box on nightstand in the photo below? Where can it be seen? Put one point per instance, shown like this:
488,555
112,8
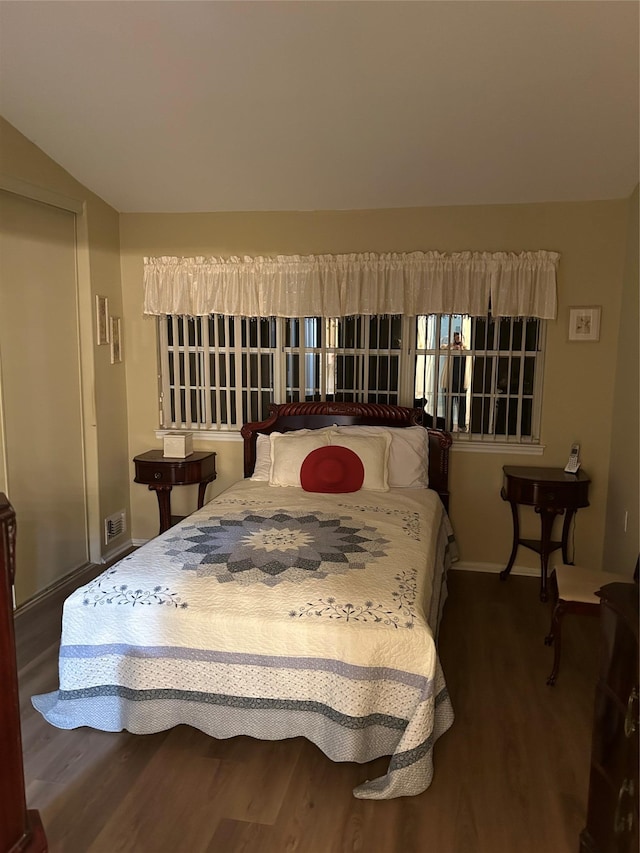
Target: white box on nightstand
178,444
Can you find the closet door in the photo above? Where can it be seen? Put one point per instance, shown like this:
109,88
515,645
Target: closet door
41,426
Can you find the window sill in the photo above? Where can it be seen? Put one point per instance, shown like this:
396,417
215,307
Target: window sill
205,434
459,445
502,447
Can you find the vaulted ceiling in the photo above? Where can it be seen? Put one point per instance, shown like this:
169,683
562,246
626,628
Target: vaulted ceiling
227,106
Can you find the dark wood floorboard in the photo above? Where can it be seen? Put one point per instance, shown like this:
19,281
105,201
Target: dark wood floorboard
511,775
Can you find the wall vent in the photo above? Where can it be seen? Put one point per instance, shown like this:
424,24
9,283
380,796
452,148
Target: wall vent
115,525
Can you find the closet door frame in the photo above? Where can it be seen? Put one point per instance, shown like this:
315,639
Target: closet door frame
85,336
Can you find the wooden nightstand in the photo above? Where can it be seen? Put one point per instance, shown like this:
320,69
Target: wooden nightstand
552,492
161,473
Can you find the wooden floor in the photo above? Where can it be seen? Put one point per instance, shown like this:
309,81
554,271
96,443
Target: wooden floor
511,774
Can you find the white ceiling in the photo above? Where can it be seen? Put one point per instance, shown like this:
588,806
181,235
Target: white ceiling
208,106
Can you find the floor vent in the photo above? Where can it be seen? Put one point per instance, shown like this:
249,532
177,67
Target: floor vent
115,525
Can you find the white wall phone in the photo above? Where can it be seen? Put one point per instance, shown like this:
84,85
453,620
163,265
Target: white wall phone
574,463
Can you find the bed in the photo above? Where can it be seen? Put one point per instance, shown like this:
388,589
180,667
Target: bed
285,607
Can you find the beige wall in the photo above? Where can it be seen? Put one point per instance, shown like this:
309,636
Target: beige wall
99,272
584,382
621,548
578,395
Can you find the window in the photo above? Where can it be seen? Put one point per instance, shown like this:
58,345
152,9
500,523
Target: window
479,377
347,359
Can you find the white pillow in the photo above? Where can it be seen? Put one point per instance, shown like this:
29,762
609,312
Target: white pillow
373,451
262,468
408,455
288,452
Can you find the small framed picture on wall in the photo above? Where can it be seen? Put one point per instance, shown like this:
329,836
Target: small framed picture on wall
584,323
102,320
115,329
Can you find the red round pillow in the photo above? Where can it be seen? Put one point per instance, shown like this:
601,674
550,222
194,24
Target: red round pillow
332,469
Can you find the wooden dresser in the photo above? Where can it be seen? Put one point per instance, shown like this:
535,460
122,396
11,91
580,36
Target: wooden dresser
612,811
20,830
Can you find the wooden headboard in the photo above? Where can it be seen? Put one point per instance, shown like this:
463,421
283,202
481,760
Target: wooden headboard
289,416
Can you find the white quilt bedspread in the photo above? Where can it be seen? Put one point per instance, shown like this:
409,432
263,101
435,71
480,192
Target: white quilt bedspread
273,612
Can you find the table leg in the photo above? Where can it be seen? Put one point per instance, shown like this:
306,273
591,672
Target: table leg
202,488
547,517
504,574
163,492
565,535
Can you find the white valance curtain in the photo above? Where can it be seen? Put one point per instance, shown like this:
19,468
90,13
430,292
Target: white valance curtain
518,285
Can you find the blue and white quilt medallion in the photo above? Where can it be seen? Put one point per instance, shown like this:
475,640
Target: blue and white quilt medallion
276,545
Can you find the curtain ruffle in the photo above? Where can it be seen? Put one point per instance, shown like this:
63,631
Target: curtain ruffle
518,285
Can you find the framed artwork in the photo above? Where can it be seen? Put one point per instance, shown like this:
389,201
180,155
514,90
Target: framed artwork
584,323
102,320
115,325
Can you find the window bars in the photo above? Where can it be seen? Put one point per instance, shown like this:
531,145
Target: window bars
489,384
218,372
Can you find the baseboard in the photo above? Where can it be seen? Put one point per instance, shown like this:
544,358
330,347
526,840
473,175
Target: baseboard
495,568
490,568
87,571
72,580
64,586
118,551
